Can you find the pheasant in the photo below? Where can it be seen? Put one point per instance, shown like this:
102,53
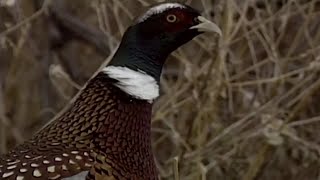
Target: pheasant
106,131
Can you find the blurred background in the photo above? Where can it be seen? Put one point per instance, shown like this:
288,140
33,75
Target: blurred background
241,107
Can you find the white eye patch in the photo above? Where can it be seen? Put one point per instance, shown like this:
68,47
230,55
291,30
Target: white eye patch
159,9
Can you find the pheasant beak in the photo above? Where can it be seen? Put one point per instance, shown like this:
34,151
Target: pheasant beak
206,26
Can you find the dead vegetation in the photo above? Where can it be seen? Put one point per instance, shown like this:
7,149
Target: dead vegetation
244,107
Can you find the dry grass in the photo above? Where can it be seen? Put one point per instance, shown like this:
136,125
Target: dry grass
244,108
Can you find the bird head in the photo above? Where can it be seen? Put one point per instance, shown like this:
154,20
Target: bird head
169,25
147,43
162,29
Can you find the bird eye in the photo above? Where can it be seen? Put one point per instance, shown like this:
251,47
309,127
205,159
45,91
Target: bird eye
171,18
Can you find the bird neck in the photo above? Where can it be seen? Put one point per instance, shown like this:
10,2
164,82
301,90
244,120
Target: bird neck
137,84
137,53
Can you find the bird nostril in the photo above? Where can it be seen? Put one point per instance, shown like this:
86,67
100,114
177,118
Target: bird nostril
196,20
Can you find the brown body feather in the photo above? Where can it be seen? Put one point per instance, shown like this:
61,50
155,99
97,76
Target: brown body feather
104,126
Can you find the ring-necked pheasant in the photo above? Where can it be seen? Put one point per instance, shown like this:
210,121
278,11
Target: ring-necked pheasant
105,133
